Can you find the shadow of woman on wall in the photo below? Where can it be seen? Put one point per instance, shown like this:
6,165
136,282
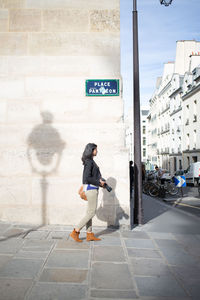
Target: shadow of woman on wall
110,210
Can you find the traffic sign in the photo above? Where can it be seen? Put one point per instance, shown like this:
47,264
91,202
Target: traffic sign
180,181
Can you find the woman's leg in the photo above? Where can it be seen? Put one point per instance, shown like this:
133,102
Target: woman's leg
92,196
89,226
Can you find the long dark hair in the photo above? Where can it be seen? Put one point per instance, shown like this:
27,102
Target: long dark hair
89,148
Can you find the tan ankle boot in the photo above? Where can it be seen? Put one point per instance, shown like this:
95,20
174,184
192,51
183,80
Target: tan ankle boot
75,235
91,237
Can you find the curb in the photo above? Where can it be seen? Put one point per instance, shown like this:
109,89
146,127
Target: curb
177,209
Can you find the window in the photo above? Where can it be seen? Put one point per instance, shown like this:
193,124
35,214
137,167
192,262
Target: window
144,141
195,111
144,152
188,160
195,139
175,164
188,141
194,158
144,129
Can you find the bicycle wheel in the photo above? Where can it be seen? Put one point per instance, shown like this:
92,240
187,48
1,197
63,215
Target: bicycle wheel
146,187
154,190
172,189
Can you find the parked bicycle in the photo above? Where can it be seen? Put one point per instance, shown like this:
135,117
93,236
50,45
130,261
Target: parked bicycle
146,187
168,187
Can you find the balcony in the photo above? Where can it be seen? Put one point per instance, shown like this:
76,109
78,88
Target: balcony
165,109
165,151
165,130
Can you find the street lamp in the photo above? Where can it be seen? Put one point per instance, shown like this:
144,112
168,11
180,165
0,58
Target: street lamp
166,2
137,212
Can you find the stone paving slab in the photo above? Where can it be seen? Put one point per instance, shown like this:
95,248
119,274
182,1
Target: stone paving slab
187,273
164,298
145,253
193,287
109,241
11,245
4,227
135,235
37,235
106,276
139,243
64,275
161,235
171,244
149,267
31,255
46,291
190,278
56,235
38,245
178,256
14,232
21,268
14,289
159,286
107,232
68,258
70,244
186,241
125,294
4,259
108,253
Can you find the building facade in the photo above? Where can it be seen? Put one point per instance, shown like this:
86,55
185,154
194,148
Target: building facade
176,126
144,112
191,118
172,119
48,51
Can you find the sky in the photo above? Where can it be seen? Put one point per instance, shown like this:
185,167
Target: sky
159,28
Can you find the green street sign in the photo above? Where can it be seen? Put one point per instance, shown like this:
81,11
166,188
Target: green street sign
102,87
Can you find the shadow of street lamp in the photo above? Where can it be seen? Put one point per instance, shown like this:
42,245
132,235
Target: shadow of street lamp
136,215
44,153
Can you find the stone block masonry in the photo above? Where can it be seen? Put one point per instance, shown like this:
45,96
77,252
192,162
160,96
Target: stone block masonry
49,48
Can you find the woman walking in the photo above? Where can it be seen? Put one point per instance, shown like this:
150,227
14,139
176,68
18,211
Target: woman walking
92,180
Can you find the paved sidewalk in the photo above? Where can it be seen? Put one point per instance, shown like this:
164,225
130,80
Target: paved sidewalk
158,260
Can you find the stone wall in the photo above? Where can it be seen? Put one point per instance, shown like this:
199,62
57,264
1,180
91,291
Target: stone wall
48,49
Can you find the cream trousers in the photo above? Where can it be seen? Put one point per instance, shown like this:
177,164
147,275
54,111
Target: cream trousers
92,196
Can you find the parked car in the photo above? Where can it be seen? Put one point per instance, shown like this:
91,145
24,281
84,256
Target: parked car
179,173
192,173
166,175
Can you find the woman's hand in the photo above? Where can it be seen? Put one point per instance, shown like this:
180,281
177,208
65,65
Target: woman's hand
102,183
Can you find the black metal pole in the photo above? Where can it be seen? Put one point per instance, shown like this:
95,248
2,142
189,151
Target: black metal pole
138,211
